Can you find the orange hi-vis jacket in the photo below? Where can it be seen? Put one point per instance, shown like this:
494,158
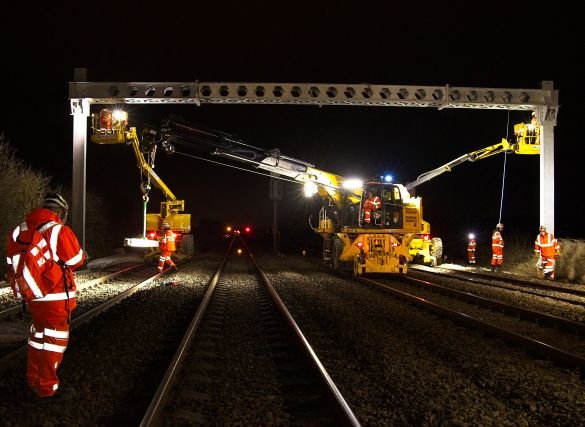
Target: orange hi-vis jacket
66,252
497,242
167,243
497,248
371,204
471,250
546,245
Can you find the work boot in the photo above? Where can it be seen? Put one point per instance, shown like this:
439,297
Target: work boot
493,268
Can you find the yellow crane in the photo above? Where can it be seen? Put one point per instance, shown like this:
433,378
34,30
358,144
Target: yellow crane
111,127
426,250
349,242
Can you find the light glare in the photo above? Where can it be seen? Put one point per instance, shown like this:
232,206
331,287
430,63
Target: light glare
120,115
352,184
135,242
309,189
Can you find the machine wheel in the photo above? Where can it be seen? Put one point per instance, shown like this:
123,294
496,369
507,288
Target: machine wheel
437,251
188,245
337,249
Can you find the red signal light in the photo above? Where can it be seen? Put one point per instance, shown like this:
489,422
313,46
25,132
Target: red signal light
248,229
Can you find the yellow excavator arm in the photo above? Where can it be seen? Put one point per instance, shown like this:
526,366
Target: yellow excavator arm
110,127
146,169
527,142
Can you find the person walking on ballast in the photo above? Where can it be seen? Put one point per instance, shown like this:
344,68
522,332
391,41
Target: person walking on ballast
167,247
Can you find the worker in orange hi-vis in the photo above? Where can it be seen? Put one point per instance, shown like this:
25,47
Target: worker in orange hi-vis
372,204
167,247
497,247
547,249
471,249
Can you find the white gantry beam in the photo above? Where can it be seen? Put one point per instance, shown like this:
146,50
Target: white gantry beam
312,94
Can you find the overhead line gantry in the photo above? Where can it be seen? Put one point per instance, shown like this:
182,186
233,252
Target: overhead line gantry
82,94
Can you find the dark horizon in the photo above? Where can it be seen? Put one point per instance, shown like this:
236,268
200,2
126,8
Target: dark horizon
487,49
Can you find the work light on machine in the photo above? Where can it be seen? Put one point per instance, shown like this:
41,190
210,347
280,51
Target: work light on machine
309,189
120,116
352,184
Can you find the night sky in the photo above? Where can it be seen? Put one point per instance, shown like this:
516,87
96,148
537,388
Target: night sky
267,42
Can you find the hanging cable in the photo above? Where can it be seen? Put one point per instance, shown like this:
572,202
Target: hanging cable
504,172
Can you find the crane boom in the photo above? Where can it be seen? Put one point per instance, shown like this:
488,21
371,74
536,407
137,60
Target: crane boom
111,127
145,167
527,142
229,147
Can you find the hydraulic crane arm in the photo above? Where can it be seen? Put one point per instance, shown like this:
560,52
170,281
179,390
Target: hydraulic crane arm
110,127
492,150
145,167
221,144
528,142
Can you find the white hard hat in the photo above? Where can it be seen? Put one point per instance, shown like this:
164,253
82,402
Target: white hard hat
55,200
542,228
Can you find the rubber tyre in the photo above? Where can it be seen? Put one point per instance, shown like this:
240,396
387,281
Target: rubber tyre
437,251
188,245
337,249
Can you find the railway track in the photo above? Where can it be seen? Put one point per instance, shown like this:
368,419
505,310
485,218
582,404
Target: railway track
271,358
570,293
542,335
393,363
95,295
294,380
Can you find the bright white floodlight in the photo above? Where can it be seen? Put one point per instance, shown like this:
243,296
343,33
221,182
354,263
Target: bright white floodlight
352,184
309,189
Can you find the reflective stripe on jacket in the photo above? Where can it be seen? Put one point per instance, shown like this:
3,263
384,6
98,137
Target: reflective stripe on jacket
497,240
66,252
167,243
546,245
